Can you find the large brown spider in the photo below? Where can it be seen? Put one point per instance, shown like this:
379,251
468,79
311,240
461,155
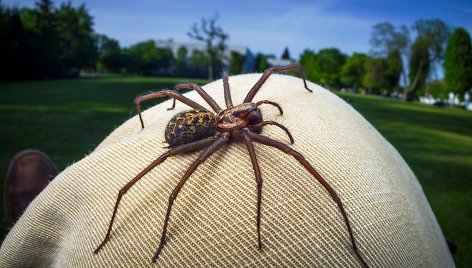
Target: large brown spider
200,128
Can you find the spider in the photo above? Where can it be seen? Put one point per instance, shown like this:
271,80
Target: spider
199,128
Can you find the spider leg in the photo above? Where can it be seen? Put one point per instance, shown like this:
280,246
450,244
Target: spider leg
165,93
228,100
271,103
266,75
257,173
270,142
174,151
262,124
209,151
200,91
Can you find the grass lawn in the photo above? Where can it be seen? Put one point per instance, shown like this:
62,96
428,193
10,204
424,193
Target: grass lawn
68,118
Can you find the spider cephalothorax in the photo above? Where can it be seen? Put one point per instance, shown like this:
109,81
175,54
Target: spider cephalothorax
201,129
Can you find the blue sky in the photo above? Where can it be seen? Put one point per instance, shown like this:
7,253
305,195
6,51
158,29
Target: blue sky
267,26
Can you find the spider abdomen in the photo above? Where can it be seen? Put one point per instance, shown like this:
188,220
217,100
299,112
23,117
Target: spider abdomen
189,126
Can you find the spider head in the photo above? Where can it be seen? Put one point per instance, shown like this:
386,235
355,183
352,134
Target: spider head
237,117
248,112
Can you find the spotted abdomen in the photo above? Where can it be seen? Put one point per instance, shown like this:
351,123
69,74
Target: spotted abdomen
189,126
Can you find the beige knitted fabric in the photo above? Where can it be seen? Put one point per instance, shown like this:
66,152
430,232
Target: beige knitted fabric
213,219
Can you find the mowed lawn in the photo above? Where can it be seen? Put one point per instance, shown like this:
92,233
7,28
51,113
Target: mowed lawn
69,118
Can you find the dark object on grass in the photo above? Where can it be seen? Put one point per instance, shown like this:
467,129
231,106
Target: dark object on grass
452,247
199,128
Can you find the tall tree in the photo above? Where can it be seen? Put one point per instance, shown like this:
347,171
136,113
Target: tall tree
386,40
47,45
46,42
419,65
431,36
215,41
458,62
11,37
428,48
5,43
76,39
394,68
375,78
111,58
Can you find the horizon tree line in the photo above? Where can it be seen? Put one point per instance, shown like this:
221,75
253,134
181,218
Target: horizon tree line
47,42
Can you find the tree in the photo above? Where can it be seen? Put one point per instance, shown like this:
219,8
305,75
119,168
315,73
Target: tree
375,78
262,62
47,49
111,58
394,69
214,38
308,61
236,62
181,61
325,66
12,34
78,48
353,70
431,37
45,42
147,59
386,40
199,64
419,65
427,50
458,62
285,54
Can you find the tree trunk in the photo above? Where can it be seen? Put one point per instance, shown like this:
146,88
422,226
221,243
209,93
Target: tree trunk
412,88
210,61
405,84
210,68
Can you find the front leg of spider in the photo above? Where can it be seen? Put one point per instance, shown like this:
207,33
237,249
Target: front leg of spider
172,152
209,151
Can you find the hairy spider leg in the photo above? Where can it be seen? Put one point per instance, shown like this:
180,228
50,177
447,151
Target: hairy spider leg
228,100
165,93
172,152
222,140
250,95
271,103
257,173
284,148
200,91
264,123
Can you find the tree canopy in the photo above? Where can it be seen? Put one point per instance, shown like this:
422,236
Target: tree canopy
353,71
45,41
458,62
325,66
421,55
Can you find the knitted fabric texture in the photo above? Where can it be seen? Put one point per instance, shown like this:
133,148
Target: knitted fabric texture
213,219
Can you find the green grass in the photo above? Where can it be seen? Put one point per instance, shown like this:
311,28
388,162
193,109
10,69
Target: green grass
437,145
68,118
